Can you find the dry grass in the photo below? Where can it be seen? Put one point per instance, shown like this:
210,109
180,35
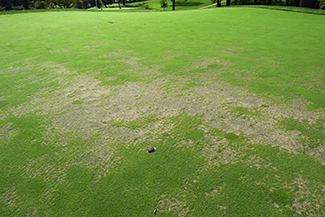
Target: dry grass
308,197
164,98
167,204
9,197
107,110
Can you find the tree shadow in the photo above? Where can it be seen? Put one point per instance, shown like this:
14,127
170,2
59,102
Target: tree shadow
110,22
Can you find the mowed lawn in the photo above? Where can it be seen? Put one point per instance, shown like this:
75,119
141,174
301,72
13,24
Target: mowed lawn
232,97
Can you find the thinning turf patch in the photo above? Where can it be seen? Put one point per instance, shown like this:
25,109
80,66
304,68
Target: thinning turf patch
232,98
313,132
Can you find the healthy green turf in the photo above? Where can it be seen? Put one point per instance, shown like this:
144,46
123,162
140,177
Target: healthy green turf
233,98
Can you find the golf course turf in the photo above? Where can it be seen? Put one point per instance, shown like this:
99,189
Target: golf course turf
232,97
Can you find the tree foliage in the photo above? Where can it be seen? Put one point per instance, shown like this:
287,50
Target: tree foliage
84,4
8,4
89,3
62,3
163,4
42,4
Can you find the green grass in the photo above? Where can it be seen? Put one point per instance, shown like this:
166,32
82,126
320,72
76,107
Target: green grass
232,97
311,131
244,112
263,68
77,102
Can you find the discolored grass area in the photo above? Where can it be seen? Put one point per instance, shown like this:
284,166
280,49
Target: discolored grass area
239,130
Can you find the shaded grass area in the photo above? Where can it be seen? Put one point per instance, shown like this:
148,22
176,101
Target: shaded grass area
50,167
294,9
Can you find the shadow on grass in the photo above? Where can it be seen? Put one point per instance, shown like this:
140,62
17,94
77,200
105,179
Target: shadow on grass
110,22
293,9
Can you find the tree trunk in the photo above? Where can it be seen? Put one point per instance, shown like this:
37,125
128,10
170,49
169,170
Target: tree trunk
105,3
255,2
287,2
173,4
218,3
269,2
26,4
228,3
301,3
308,3
235,3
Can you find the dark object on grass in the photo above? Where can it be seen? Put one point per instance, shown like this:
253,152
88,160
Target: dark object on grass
152,149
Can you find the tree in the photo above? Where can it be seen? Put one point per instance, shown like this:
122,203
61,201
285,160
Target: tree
8,4
40,5
218,2
119,3
26,4
173,4
163,4
107,2
62,3
308,3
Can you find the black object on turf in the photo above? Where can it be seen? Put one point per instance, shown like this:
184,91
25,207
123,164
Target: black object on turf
152,149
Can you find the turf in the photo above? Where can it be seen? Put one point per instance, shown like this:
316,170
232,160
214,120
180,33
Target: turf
233,98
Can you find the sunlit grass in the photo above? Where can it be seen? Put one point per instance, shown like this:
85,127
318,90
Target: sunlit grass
81,100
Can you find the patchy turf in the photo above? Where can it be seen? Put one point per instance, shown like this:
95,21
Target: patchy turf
77,118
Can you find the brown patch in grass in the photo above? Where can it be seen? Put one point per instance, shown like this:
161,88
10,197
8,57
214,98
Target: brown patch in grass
164,98
318,153
202,63
221,153
216,192
2,116
168,204
99,155
309,198
43,166
7,132
9,197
